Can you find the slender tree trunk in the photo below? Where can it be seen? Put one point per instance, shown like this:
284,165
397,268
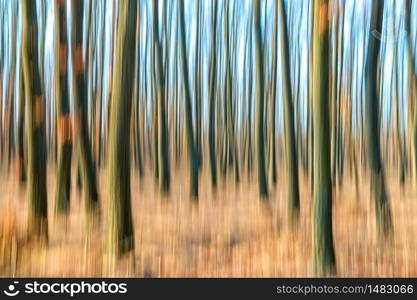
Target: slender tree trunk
272,114
197,80
290,143
335,54
10,118
139,116
260,98
192,152
397,127
311,98
163,153
250,96
213,83
20,160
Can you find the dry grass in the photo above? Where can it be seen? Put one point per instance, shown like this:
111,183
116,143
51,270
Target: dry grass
227,235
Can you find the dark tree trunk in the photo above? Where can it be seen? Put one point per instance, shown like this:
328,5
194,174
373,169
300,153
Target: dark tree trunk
290,143
260,99
192,151
35,120
85,157
63,118
378,190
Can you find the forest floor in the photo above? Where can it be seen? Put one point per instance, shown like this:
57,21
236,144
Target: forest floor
229,234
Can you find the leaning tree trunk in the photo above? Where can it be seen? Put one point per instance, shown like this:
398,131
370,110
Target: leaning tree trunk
35,120
324,260
63,124
121,235
259,120
192,151
290,143
378,190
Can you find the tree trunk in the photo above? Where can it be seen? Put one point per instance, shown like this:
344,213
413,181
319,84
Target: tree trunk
20,160
192,152
85,157
411,95
260,99
378,191
63,118
121,235
272,132
290,143
213,83
198,86
324,260
163,153
35,120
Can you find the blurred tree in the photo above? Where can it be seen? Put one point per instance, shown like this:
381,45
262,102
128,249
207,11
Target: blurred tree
213,85
198,83
121,235
20,159
411,93
162,137
259,120
378,190
63,117
272,166
231,154
395,86
290,142
85,158
192,151
35,120
324,260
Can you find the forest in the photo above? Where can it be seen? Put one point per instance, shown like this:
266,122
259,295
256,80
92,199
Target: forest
208,138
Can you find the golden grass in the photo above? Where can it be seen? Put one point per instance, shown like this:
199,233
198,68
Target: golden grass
227,235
